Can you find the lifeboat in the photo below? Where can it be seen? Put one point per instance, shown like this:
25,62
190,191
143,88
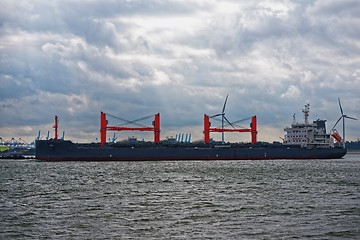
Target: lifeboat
336,135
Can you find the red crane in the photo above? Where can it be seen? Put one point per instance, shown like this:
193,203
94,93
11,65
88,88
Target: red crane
104,127
208,129
56,126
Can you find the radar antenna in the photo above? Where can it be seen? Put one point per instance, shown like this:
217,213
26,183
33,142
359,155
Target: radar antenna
306,111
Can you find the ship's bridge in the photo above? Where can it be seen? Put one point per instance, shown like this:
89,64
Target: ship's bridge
308,134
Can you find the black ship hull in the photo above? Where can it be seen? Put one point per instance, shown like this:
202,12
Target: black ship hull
60,150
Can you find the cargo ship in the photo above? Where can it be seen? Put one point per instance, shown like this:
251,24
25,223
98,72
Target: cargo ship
307,140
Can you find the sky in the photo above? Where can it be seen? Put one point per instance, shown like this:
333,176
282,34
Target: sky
179,58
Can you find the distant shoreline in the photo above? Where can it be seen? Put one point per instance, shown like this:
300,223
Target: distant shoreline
353,151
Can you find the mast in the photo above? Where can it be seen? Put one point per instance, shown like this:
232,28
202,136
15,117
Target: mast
56,126
306,111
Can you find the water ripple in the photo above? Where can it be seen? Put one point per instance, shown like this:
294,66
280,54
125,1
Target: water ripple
180,200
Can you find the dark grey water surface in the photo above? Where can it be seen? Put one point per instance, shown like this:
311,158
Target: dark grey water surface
282,199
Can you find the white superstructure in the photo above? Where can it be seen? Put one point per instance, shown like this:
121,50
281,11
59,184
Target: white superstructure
308,134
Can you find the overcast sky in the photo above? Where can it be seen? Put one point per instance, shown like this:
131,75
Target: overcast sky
75,58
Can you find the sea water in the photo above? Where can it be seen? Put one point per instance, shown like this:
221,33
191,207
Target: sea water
277,199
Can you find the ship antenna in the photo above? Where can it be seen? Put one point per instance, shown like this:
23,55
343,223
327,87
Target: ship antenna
294,118
306,111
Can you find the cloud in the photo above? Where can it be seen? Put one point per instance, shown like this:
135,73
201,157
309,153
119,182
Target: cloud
292,92
180,58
